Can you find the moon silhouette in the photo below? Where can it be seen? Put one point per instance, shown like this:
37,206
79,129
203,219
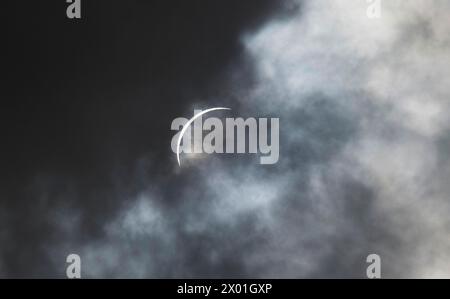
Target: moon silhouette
186,126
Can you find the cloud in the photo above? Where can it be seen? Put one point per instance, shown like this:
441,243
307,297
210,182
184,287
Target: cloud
389,75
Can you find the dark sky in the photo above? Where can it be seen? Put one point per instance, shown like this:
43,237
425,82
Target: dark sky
86,165
82,93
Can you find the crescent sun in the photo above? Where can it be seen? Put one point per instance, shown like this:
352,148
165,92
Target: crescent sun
186,126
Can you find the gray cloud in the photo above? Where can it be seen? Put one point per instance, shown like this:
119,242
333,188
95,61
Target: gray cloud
389,75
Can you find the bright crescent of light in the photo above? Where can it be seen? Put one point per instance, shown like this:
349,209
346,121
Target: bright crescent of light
186,126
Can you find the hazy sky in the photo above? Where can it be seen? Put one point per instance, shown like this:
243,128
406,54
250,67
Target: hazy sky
87,166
